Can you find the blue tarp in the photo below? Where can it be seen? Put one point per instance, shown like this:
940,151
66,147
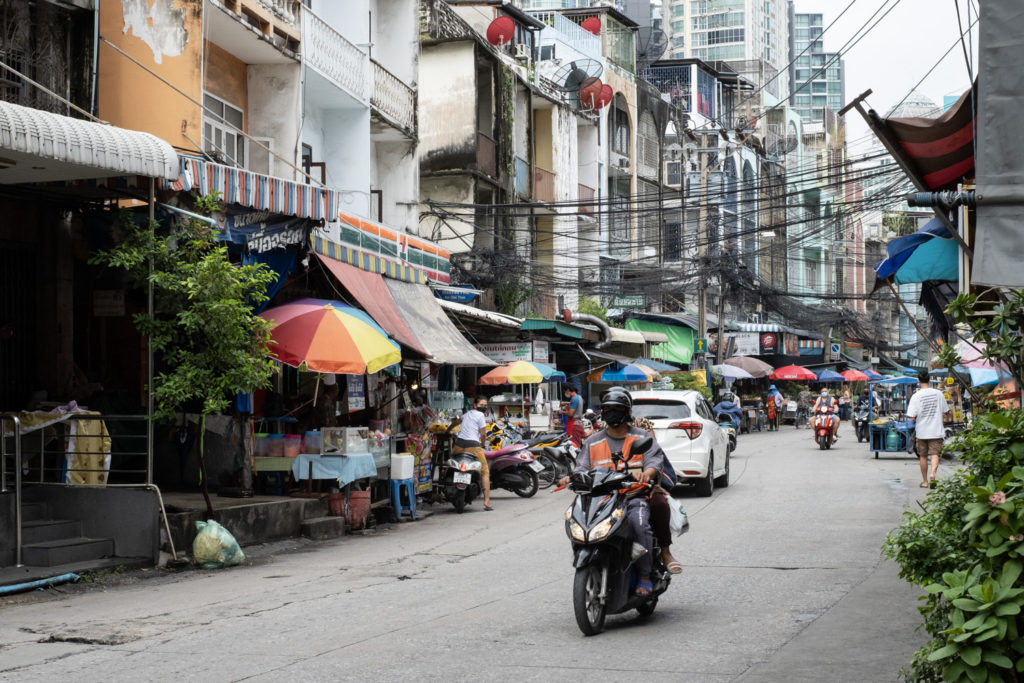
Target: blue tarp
931,253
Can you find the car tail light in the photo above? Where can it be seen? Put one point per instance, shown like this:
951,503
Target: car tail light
692,429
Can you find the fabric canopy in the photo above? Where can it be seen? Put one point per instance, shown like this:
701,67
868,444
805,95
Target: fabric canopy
433,330
678,348
373,295
931,253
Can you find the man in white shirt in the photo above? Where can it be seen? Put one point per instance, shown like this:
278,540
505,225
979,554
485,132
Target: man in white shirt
925,410
472,430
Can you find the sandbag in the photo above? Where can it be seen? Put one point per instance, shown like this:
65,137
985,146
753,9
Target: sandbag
215,547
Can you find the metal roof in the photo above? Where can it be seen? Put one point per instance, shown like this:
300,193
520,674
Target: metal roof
38,146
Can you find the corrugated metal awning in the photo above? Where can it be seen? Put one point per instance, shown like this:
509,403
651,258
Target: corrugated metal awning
499,319
37,147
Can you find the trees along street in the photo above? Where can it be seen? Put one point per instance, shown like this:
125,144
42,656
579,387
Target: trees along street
782,581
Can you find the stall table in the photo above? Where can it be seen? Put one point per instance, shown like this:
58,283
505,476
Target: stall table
878,433
345,468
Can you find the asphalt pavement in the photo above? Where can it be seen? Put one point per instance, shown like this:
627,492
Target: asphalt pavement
783,581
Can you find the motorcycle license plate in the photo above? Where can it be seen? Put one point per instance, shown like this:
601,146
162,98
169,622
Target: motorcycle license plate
463,477
536,466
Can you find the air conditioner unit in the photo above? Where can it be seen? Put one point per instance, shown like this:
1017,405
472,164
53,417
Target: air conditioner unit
622,162
522,51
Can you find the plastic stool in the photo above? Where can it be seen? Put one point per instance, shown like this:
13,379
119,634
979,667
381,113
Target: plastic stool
396,497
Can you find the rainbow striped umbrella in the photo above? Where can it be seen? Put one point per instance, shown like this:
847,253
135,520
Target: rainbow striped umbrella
329,336
522,372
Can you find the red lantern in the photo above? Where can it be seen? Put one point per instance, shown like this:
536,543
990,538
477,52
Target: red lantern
590,93
502,30
593,24
606,96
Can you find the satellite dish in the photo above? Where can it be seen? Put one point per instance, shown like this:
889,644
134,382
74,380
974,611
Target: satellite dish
606,96
573,76
590,93
501,31
651,45
592,24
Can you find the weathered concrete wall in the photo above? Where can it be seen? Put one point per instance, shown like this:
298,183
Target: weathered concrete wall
167,38
349,18
249,524
451,234
395,36
275,94
226,79
395,172
341,139
447,106
566,163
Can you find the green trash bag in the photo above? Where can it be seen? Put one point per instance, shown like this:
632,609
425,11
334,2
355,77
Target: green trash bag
215,547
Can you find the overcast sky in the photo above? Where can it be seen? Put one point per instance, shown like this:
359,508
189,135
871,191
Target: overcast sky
898,52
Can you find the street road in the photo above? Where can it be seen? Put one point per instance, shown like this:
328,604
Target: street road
783,582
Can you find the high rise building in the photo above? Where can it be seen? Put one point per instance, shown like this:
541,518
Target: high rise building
817,76
731,31
573,4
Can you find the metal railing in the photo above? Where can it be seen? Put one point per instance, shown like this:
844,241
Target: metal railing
543,184
569,32
487,155
393,98
334,57
54,464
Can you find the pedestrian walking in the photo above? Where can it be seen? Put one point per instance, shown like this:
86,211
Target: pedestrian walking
925,410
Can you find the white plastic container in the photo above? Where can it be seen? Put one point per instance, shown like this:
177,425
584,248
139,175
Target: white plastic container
402,466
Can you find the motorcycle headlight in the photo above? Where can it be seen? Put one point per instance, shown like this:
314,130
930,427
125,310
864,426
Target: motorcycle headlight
568,512
577,531
601,530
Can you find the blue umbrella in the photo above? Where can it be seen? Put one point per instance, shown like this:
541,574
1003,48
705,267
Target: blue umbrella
620,373
830,376
873,375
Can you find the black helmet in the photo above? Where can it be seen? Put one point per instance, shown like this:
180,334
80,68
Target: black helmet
616,397
727,396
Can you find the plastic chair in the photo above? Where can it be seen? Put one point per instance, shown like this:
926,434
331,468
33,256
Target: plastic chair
396,497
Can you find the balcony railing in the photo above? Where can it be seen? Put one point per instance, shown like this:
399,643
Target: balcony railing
486,155
334,57
543,184
288,10
393,98
586,200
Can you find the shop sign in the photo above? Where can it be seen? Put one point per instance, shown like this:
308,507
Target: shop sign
356,391
629,301
746,343
428,380
540,352
108,303
263,231
769,343
507,351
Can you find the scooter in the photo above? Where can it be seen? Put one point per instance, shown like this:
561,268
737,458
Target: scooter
860,423
458,480
558,461
822,425
604,551
514,469
730,430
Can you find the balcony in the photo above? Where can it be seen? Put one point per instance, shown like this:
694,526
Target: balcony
486,155
393,100
332,56
274,23
586,200
543,185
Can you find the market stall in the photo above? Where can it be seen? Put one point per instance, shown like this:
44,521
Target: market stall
891,432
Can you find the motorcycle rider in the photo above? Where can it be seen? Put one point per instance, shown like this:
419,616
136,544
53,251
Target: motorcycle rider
803,406
866,399
617,436
472,435
727,406
825,399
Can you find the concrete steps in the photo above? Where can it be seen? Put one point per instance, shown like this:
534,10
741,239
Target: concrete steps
323,528
39,530
63,551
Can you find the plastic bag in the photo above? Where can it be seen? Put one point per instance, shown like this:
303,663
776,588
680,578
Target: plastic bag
678,520
215,547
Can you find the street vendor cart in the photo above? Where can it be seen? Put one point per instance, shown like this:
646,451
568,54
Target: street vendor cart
891,431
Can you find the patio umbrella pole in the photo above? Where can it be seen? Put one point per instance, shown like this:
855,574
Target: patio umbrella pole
935,347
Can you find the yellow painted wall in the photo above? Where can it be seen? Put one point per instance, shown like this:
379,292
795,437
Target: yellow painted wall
226,78
167,39
542,139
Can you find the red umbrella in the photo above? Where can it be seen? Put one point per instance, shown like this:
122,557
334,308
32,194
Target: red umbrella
793,372
854,376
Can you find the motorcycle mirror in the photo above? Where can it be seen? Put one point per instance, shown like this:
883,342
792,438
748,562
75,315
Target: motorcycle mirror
643,445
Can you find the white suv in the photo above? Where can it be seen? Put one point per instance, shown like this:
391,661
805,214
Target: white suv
687,431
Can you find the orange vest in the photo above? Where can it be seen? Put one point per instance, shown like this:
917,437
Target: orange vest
601,454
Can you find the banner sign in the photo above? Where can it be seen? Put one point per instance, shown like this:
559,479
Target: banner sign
541,352
747,343
505,352
356,393
263,231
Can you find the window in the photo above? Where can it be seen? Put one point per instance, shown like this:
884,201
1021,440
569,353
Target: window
620,131
673,248
804,61
674,173
654,409
649,152
220,139
811,274
818,87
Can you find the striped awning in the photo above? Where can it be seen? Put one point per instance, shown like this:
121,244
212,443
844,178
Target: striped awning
812,343
255,190
761,327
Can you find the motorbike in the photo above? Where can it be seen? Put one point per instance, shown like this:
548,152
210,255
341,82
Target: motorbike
559,461
822,425
514,469
458,480
604,552
860,423
725,422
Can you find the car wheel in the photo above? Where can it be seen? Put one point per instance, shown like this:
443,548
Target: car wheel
706,486
722,482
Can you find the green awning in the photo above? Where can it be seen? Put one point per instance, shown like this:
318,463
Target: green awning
556,326
678,348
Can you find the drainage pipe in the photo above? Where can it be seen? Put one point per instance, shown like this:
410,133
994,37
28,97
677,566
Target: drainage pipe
41,583
606,332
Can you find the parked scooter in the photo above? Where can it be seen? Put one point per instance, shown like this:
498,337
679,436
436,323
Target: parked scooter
558,461
515,469
458,480
727,426
604,551
860,423
822,424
